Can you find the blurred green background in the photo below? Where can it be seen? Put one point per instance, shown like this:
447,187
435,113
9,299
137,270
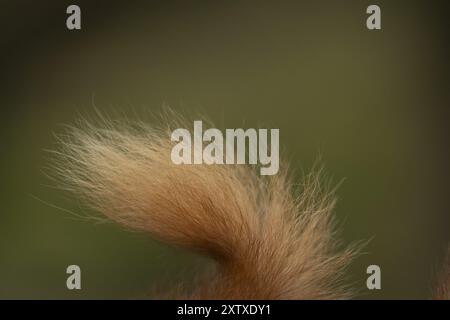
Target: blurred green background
373,103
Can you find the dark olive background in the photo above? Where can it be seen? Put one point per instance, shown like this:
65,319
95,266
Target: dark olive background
374,104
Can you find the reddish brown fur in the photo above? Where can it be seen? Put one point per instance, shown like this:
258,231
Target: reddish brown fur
442,287
268,242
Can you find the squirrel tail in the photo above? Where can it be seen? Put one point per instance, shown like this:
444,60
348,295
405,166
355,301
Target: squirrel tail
268,243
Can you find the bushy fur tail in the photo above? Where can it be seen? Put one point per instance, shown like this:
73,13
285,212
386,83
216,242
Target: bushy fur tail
267,242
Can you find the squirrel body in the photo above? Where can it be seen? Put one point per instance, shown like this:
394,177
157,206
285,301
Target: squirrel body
269,238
